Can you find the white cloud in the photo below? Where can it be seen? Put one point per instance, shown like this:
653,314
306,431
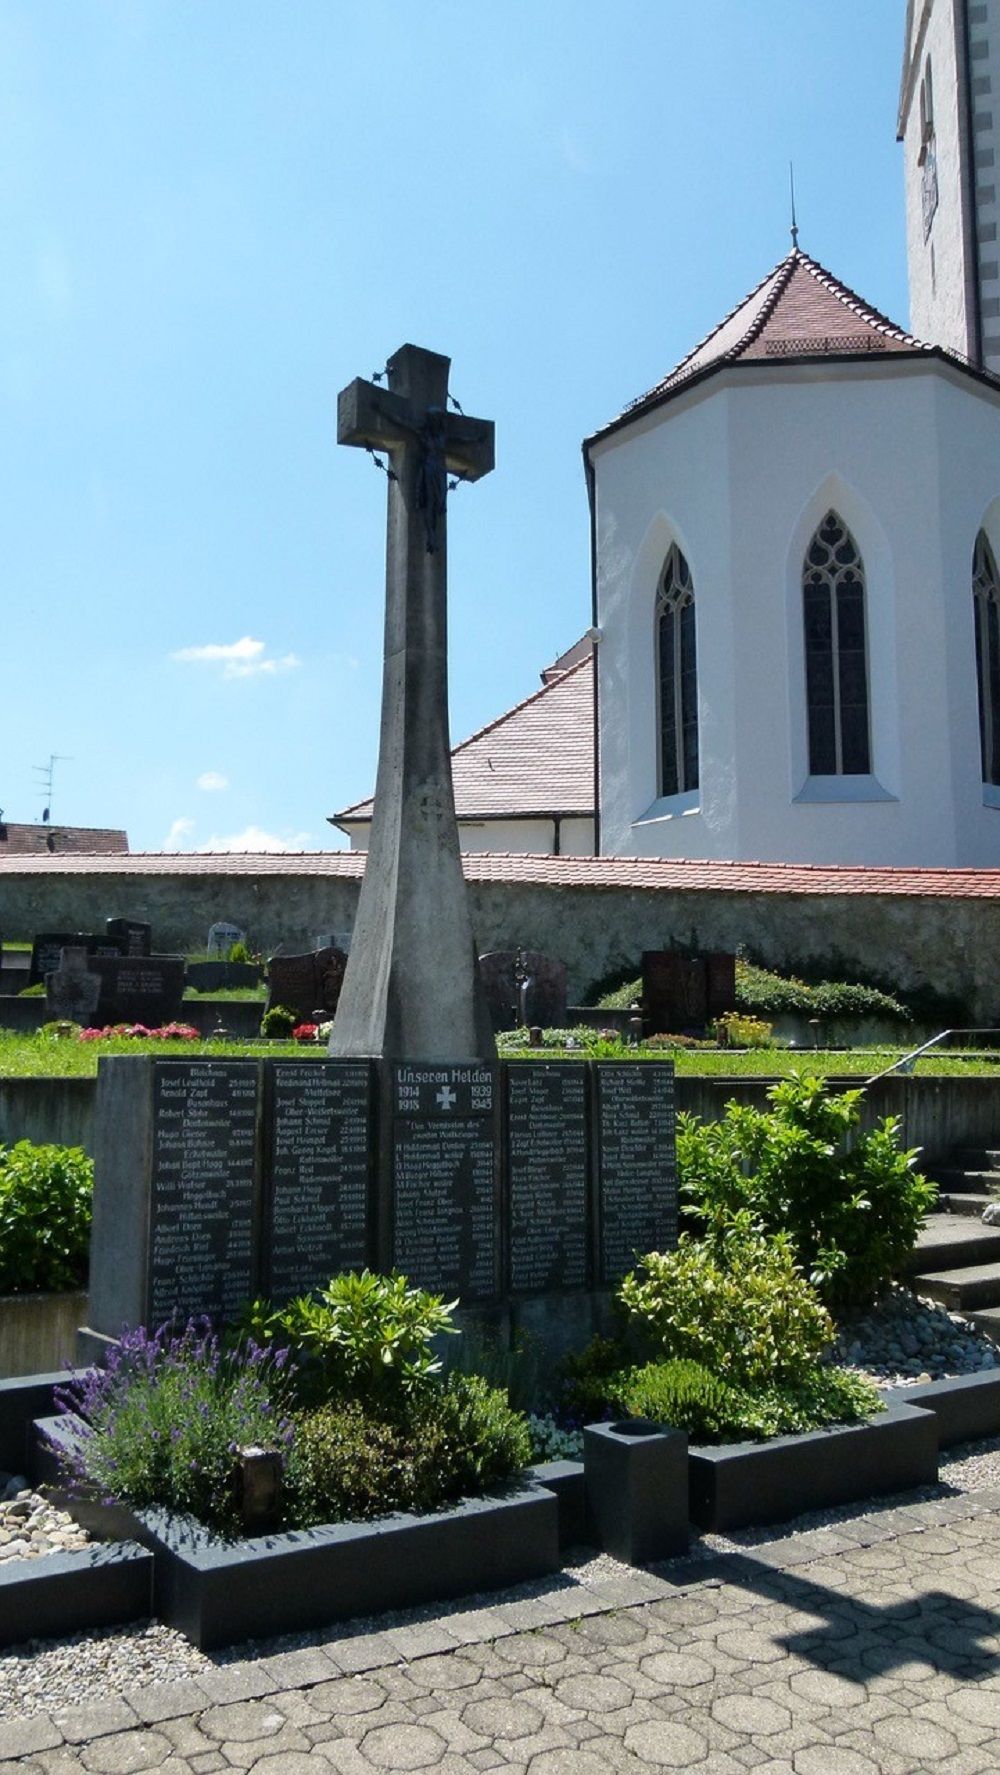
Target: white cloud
211,779
246,658
180,830
254,838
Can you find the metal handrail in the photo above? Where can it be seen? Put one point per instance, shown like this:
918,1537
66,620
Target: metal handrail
906,1065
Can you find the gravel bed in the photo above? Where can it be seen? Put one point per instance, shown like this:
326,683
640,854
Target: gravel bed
30,1526
906,1339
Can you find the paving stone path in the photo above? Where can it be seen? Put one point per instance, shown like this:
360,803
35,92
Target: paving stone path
868,1648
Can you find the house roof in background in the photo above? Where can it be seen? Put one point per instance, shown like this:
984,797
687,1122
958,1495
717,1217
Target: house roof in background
537,760
48,840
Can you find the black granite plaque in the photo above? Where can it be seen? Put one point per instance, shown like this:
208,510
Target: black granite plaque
547,1191
318,1146
202,1188
637,1179
134,936
444,1178
139,989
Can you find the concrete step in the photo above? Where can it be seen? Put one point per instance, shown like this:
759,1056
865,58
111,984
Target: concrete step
959,1202
952,1241
988,1320
974,1286
976,1158
983,1182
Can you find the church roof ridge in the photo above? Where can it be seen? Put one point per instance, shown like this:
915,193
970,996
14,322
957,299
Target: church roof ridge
797,311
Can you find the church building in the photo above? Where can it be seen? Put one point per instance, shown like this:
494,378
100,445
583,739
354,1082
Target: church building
796,595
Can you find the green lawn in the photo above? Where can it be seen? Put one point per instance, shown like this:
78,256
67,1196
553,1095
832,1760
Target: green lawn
26,1056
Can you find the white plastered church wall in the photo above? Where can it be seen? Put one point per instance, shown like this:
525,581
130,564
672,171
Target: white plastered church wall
941,261
739,473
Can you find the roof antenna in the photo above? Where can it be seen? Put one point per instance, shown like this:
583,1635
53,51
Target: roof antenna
791,187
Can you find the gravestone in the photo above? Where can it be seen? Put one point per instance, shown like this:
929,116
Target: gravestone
134,936
445,1205
674,992
720,972
543,999
636,1181
222,936
547,1175
72,990
139,989
47,948
319,1146
306,983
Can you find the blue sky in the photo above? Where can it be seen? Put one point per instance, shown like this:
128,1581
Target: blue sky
215,213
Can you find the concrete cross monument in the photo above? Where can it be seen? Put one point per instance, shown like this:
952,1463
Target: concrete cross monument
411,989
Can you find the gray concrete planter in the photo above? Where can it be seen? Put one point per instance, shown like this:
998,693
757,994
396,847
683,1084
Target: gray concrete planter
218,1591
38,1331
748,1484
636,1479
60,1593
966,1406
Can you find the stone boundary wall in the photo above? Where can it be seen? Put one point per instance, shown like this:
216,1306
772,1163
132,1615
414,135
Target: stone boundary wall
936,1113
914,940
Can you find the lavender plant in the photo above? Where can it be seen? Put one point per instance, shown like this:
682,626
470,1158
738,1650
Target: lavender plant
162,1422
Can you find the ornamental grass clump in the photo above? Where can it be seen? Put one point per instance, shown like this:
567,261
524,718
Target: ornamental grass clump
163,1422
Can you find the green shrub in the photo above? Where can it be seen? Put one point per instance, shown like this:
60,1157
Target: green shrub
278,1022
36,991
743,1310
767,994
349,1462
364,1336
851,1202
588,1375
688,1397
45,1207
240,953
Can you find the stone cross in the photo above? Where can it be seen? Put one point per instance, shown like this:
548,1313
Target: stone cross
411,989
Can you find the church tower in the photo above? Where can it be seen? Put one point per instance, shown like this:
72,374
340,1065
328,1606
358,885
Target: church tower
949,124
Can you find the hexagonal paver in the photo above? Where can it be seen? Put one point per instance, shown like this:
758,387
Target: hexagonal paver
750,1647
127,1753
751,1714
677,1670
832,1759
665,1744
530,1649
447,1670
910,1736
979,1705
503,1718
241,1721
350,1695
403,1747
568,1762
593,1693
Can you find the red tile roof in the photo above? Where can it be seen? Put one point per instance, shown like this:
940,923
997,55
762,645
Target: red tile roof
800,310
19,841
536,760
662,874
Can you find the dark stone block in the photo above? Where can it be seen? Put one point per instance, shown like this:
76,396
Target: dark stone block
21,1401
218,976
744,1484
70,1592
134,935
966,1406
307,983
218,1592
636,1480
139,989
566,1479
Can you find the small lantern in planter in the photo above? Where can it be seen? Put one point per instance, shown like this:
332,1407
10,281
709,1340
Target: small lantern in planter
636,1479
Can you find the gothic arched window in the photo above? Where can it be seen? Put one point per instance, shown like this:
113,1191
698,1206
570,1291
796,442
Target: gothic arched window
986,597
833,607
678,677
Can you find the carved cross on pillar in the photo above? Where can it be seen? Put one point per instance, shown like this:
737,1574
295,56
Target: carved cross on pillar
411,990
